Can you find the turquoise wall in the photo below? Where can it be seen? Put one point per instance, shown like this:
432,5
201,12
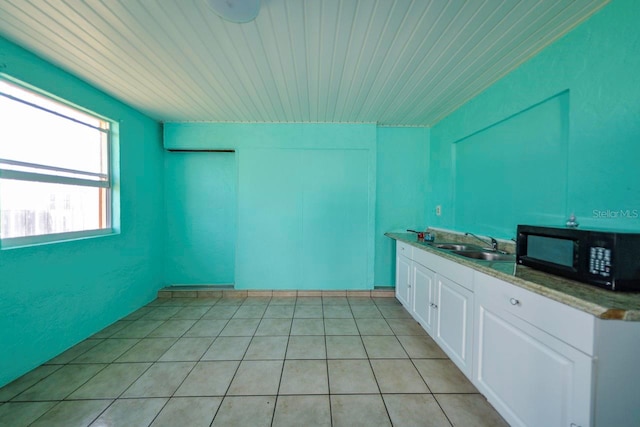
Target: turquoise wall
305,202
558,135
314,201
304,219
55,295
200,213
402,196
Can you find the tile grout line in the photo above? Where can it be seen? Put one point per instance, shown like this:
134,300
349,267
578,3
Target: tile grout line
375,377
326,359
452,393
284,360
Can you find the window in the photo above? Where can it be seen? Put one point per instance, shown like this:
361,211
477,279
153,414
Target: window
55,179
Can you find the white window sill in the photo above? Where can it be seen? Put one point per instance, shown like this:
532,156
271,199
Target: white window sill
46,239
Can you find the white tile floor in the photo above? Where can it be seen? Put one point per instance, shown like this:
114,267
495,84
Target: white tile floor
306,361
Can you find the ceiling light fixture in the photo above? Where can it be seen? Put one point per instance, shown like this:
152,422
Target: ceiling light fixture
238,11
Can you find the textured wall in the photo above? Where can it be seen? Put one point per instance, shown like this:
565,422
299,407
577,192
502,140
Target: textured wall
595,67
305,202
333,169
53,296
401,202
304,219
201,218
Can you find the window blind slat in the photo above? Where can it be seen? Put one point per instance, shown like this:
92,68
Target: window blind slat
52,179
31,104
101,176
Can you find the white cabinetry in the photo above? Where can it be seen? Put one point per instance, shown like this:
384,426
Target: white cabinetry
443,307
454,320
424,307
531,377
404,276
537,361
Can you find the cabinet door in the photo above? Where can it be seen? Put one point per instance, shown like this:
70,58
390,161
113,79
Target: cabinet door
530,377
454,322
403,281
423,296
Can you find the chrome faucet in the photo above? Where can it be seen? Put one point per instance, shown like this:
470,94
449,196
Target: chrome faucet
493,243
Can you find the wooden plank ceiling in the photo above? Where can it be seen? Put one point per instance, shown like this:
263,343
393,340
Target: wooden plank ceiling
391,62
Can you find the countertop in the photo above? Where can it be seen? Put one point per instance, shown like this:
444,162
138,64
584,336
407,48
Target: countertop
599,302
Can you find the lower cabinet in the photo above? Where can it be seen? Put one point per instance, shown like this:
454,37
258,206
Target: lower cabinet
423,307
531,377
454,322
442,307
404,281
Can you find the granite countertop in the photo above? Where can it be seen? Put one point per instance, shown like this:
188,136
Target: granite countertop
599,302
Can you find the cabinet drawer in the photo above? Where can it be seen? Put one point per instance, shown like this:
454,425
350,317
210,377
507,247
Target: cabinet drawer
449,269
404,249
572,326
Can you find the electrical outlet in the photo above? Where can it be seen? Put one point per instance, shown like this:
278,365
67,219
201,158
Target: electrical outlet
438,210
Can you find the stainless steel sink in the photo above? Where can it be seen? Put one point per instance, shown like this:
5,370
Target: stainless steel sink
486,255
456,246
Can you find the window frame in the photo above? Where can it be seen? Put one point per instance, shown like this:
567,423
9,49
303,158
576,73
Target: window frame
111,217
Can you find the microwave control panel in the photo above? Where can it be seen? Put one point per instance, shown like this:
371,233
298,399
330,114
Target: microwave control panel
600,261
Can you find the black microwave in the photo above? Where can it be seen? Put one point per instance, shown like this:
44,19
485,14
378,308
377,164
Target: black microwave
609,259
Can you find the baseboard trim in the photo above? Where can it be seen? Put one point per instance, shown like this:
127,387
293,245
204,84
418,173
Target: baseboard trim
227,291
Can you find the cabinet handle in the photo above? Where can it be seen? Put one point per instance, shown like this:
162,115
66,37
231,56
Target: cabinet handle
433,305
514,301
573,425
